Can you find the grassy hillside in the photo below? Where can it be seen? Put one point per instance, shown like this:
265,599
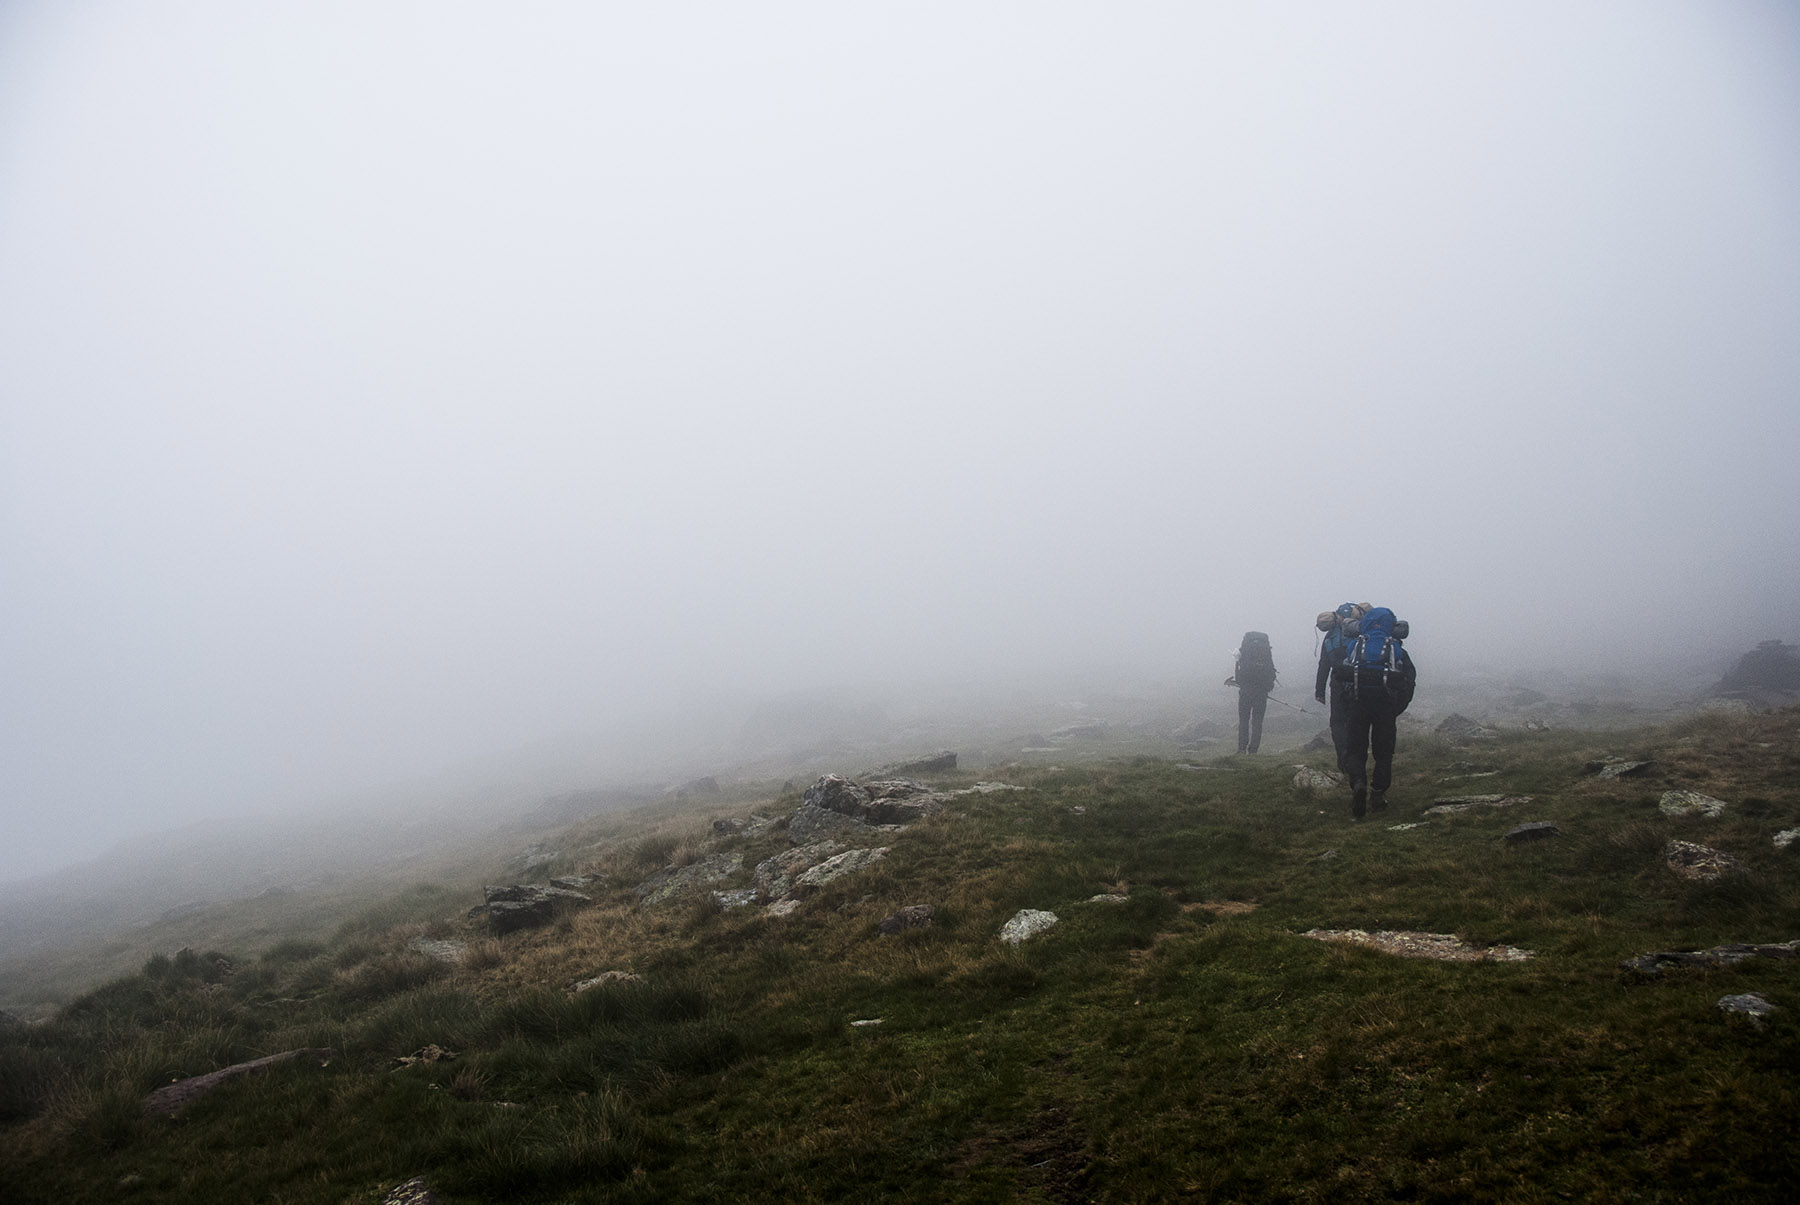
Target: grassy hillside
1186,1043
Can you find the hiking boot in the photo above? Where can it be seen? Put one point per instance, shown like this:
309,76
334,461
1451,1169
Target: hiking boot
1359,799
1378,801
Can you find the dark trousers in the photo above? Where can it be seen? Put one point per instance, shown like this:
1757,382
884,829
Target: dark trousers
1250,717
1340,725
1369,727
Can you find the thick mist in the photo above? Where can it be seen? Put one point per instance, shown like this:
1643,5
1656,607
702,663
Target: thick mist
385,386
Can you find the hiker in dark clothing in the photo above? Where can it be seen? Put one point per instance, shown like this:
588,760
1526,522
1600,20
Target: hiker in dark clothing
1377,677
1254,678
1331,652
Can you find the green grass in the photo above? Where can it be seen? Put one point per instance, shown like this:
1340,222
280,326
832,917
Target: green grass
1187,1044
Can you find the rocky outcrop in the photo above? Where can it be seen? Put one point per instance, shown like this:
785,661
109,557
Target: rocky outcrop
775,876
1441,947
1766,676
891,801
526,905
172,1098
836,867
1718,956
674,881
1699,863
1690,803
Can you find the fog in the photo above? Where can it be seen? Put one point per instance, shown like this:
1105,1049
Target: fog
385,386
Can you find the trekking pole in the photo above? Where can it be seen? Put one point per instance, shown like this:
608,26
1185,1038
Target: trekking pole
1290,706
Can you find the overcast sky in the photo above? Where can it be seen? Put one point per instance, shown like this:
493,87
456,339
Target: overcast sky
384,383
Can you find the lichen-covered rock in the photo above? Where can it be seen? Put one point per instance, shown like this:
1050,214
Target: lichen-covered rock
774,876
913,916
1700,863
1690,803
835,793
606,977
523,905
837,866
1749,1004
811,823
1025,924
1786,837
1718,956
1308,779
1441,947
1614,767
675,881
1451,804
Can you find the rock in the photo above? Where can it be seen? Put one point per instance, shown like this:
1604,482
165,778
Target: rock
605,977
1690,803
1770,666
1786,837
913,916
837,866
1717,956
524,905
1699,863
1461,727
1748,1004
676,881
738,897
1537,725
1441,947
172,1098
451,952
937,763
1451,804
774,877
892,801
1614,767
1319,743
1537,830
1308,779
1026,923
782,907
432,1053
835,793
574,882
811,823
699,786
414,1192
1109,898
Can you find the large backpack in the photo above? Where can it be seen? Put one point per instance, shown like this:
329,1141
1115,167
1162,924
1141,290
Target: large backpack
1256,663
1374,659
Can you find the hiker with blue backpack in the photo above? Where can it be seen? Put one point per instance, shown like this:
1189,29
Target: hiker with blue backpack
1331,651
1377,678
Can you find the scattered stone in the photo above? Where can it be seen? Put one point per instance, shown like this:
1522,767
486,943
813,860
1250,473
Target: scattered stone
451,952
1400,828
1078,810
1537,830
1026,923
1786,837
1109,898
1442,947
1477,774
523,905
606,977
414,1192
869,1022
1700,863
913,916
1327,856
988,788
782,907
172,1098
837,866
1451,804
1749,1004
1193,769
1690,803
676,881
1717,956
736,898
1614,767
1537,725
1308,779
937,763
425,1054
1461,727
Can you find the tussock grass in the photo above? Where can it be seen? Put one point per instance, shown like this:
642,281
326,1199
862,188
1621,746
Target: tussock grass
1185,1044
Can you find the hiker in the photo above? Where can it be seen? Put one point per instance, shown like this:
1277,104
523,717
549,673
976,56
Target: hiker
1255,678
1377,678
1331,651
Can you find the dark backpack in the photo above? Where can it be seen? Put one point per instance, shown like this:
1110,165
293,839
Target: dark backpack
1256,663
1374,659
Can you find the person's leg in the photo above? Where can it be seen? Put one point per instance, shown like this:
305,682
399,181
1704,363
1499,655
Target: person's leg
1340,726
1258,706
1382,739
1356,754
1243,720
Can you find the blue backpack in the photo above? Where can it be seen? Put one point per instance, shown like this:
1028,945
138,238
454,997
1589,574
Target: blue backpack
1372,656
